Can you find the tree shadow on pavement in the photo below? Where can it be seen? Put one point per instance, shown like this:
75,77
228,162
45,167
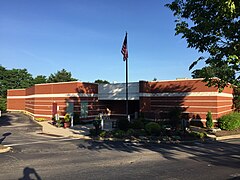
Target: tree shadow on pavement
4,136
214,153
30,173
110,145
5,120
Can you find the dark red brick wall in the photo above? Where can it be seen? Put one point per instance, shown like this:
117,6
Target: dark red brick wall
158,98
18,103
38,100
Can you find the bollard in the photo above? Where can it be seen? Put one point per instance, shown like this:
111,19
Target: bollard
71,121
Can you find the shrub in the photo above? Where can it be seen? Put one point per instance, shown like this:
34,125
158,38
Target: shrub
59,123
105,134
209,122
138,132
175,116
97,123
230,121
123,124
67,118
40,119
153,128
131,132
201,135
176,138
101,133
119,134
137,124
198,134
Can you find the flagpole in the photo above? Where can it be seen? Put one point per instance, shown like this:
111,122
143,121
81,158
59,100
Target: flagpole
124,52
127,88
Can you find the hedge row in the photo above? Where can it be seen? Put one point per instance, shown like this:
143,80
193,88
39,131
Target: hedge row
230,121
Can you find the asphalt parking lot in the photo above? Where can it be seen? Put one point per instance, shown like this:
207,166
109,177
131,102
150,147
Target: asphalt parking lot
37,156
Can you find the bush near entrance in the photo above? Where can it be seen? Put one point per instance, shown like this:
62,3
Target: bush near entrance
230,121
141,129
153,128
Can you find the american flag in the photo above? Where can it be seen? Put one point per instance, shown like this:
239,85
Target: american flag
124,50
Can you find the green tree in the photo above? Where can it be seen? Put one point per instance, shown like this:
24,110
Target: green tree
209,119
236,99
209,72
99,81
40,79
61,76
2,89
12,79
212,27
3,71
175,115
3,106
15,79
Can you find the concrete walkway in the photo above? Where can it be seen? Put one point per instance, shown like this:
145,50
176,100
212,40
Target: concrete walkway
78,131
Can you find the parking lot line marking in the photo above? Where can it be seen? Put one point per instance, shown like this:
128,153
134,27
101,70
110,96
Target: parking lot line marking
39,142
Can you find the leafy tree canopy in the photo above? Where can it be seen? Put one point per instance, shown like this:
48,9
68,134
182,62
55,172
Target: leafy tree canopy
212,27
99,81
14,79
61,76
21,78
40,79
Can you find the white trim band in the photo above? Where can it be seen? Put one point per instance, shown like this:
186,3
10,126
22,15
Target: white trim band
183,94
53,96
192,106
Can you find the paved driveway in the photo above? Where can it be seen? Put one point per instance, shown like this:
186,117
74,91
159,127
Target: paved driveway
35,156
17,127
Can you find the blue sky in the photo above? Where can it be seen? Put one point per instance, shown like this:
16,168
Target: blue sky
85,37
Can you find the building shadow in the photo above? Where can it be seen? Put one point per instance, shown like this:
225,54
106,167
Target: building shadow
29,174
166,102
215,153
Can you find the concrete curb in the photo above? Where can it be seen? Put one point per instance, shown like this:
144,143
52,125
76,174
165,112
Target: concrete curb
220,138
227,137
68,136
150,141
4,149
51,130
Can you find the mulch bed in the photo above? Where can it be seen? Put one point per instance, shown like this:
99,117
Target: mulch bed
227,133
218,133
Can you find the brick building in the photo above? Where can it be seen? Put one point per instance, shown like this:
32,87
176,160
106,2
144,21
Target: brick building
154,100
45,100
194,98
